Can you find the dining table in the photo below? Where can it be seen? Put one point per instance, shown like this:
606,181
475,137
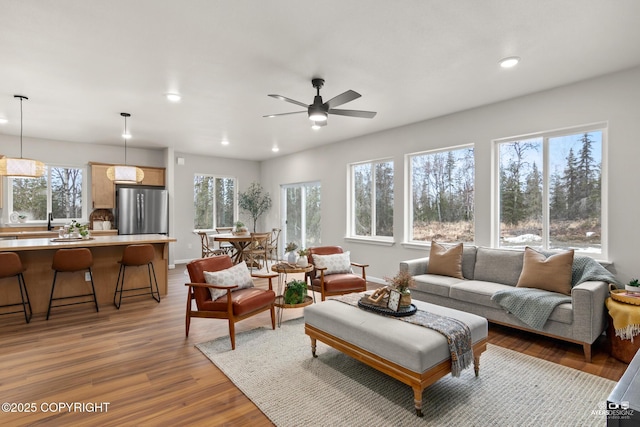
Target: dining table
239,242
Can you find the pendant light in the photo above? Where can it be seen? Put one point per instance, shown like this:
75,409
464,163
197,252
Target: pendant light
123,174
21,167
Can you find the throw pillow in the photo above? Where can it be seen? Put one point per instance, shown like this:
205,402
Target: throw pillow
236,275
550,274
445,262
335,263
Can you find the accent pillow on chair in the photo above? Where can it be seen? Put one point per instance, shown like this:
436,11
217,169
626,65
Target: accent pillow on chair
332,274
237,275
335,263
549,274
445,261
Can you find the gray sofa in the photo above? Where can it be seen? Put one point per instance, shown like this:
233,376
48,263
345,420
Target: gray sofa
487,270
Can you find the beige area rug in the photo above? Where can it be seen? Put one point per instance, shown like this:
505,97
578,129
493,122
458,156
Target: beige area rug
276,371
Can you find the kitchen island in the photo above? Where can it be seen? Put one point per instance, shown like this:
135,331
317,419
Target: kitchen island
37,255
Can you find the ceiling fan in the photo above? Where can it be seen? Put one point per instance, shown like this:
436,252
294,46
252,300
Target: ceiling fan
319,111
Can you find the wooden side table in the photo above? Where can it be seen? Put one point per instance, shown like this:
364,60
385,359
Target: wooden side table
623,350
283,270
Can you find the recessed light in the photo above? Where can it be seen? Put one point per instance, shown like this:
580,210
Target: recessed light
173,97
275,149
224,142
509,62
3,121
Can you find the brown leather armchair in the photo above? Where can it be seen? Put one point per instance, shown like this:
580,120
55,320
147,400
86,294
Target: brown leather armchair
235,305
335,284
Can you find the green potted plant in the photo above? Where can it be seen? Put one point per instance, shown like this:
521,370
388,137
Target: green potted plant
239,228
402,282
290,249
295,292
255,201
633,286
78,230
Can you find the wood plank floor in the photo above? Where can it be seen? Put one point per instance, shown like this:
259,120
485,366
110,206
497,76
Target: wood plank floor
138,361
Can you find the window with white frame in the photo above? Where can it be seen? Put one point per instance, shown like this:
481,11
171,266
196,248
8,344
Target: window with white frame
214,201
61,191
550,188
371,199
301,210
441,202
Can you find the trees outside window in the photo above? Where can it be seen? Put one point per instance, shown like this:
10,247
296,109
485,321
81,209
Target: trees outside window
301,209
372,196
442,195
550,191
59,190
214,200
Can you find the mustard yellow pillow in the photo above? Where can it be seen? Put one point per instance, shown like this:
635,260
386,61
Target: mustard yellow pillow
445,262
550,274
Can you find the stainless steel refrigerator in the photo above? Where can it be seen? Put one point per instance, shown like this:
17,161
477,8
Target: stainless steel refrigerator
142,210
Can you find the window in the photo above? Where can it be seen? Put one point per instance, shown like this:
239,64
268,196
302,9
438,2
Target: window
301,210
60,191
214,200
442,195
550,191
371,213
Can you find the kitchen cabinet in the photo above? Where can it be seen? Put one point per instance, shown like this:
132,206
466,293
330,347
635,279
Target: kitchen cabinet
153,176
103,191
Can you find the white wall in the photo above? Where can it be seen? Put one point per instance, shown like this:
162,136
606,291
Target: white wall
613,98
188,245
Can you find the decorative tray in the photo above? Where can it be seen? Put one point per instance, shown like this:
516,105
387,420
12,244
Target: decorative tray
627,297
402,311
70,239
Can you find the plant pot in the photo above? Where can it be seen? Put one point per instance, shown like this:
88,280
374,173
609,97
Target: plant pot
294,295
405,299
302,262
291,258
632,288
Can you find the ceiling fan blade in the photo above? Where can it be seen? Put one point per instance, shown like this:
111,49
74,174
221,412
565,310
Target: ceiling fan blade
293,101
354,113
343,98
284,114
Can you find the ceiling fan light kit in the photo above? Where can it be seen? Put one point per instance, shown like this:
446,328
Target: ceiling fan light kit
124,174
319,111
21,167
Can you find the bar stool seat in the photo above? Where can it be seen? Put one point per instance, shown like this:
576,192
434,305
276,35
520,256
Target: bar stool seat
136,256
71,261
10,266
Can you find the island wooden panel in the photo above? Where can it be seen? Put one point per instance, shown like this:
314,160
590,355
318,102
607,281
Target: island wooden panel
37,255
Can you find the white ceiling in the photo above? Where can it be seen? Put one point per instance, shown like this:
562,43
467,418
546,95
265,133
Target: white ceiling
83,62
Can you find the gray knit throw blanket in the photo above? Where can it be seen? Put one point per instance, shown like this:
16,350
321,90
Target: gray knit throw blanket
457,333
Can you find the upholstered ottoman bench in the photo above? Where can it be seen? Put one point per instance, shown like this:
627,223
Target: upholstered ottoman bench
414,354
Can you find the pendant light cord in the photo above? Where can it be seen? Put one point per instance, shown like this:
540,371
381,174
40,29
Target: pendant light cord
125,140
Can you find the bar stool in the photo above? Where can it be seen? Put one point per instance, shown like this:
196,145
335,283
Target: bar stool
136,256
71,261
10,265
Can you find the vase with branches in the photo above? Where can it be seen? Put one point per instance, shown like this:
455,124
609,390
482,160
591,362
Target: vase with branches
255,201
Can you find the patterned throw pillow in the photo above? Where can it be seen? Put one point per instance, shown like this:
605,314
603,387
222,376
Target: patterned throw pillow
236,275
335,263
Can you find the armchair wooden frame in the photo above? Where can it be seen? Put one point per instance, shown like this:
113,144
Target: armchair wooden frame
228,313
318,282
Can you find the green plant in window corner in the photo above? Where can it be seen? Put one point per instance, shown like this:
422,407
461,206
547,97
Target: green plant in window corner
295,292
255,201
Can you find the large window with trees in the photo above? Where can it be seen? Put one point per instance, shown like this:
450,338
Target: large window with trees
550,190
371,197
59,191
441,195
301,212
214,200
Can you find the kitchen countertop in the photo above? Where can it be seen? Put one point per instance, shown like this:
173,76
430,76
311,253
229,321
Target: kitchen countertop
45,233
47,243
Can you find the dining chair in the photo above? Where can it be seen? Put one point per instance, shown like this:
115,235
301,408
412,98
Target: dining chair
272,247
207,250
225,246
258,249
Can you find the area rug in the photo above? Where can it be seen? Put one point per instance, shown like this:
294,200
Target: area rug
276,371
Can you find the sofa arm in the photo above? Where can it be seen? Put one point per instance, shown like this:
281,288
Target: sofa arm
416,266
589,319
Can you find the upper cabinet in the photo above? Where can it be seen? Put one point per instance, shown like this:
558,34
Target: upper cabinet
103,190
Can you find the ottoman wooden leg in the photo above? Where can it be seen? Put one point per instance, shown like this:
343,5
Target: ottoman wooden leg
476,364
417,400
313,347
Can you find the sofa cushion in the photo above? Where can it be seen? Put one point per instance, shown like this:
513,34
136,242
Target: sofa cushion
479,292
550,274
434,284
445,261
498,265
